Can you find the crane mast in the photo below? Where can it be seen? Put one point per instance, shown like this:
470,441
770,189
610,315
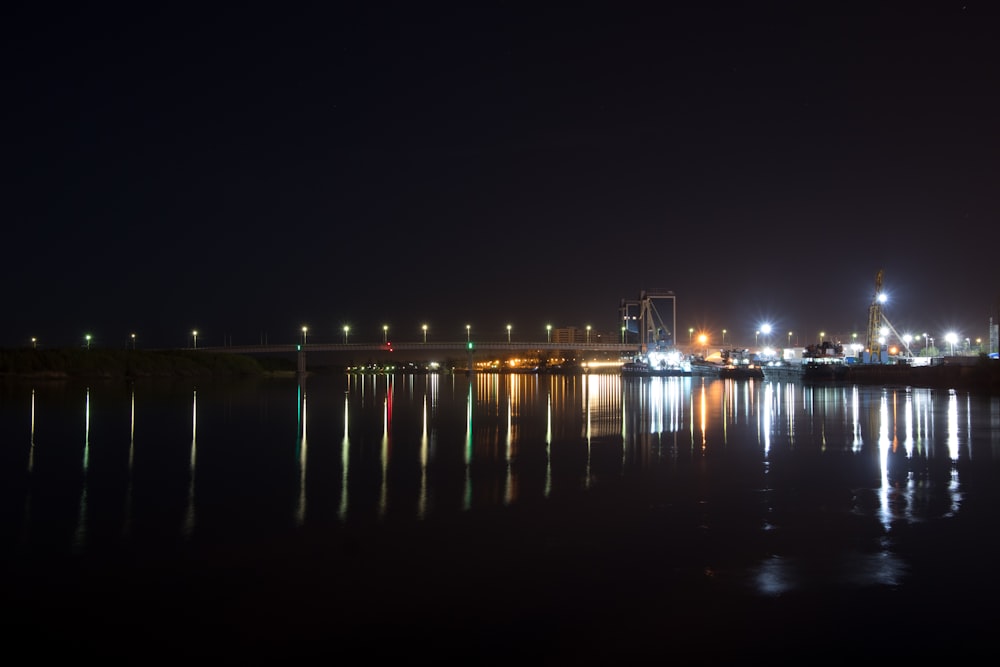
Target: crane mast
875,321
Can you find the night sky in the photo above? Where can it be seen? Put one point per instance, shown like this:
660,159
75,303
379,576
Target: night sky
244,171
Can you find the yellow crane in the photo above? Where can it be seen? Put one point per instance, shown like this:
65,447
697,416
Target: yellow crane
875,321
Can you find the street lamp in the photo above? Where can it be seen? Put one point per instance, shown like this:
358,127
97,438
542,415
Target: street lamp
34,342
305,331
822,335
508,333
194,335
623,335
690,335
789,339
87,338
385,333
133,342
766,330
723,338
952,338
756,336
424,327
588,334
468,333
347,330
548,333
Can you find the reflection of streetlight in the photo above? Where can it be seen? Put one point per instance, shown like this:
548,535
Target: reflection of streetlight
305,330
194,334
508,333
588,334
548,333
87,337
424,327
347,330
468,332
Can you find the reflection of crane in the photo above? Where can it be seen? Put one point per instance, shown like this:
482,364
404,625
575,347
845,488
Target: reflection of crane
875,321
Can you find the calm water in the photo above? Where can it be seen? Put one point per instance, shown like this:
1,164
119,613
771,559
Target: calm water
499,518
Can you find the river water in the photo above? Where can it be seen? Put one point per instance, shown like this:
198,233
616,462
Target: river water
498,518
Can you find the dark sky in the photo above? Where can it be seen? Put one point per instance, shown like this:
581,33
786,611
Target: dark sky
244,171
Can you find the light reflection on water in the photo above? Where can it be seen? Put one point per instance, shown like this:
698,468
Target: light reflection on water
111,464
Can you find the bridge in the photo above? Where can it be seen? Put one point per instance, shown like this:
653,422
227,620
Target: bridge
431,347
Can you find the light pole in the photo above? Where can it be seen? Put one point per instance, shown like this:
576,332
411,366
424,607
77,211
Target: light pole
548,333
690,335
305,331
424,327
468,333
623,335
952,338
34,342
588,334
194,335
87,337
789,339
723,338
133,342
508,333
385,333
756,337
822,335
347,330
766,330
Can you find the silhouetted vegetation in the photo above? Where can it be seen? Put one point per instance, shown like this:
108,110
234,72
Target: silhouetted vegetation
99,362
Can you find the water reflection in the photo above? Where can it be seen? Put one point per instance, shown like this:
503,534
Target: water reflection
395,448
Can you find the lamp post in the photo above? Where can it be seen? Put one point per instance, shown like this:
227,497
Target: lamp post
756,337
723,338
588,334
690,335
548,333
766,330
623,335
133,342
347,330
508,333
789,339
87,338
385,333
424,327
194,336
952,338
34,342
305,331
822,335
468,333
